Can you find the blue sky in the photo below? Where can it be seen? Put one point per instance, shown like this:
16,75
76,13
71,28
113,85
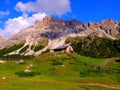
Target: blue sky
18,14
96,10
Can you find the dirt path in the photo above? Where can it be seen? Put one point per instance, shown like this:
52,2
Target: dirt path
104,63
79,84
107,61
98,84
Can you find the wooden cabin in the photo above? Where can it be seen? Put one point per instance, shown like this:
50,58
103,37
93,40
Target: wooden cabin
66,48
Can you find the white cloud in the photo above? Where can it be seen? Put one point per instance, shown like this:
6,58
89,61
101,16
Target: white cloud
14,25
57,7
40,7
4,13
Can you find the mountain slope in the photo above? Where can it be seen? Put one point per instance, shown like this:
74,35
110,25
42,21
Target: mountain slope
57,31
2,39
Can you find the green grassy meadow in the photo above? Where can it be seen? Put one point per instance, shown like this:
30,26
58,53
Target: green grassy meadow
57,71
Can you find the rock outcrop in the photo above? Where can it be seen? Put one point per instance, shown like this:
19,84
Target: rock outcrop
108,26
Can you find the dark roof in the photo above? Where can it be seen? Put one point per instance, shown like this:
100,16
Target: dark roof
61,47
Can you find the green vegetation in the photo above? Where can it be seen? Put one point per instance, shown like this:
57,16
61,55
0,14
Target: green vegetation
24,49
17,56
56,62
95,47
10,49
88,60
38,47
118,36
117,45
32,47
41,44
57,71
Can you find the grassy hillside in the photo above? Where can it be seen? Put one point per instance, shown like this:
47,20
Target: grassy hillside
95,47
57,71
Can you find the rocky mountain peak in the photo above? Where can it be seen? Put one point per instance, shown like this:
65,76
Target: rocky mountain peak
54,28
47,18
2,38
50,22
108,21
109,26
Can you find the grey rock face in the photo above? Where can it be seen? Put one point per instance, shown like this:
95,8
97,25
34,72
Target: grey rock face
53,28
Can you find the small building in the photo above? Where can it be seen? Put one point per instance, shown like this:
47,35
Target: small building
66,48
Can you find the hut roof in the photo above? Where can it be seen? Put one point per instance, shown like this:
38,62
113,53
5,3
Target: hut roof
61,47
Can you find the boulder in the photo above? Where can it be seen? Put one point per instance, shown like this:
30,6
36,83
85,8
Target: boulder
1,61
21,61
27,70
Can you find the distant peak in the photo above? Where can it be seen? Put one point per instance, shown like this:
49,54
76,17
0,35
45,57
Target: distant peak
110,20
47,18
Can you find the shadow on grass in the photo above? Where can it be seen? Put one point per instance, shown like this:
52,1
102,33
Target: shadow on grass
28,74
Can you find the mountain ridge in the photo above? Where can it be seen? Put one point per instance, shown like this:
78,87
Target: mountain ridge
57,30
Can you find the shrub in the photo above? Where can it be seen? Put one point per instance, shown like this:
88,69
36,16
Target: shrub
56,62
39,47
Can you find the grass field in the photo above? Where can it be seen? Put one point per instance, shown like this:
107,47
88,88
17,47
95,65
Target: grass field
56,71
